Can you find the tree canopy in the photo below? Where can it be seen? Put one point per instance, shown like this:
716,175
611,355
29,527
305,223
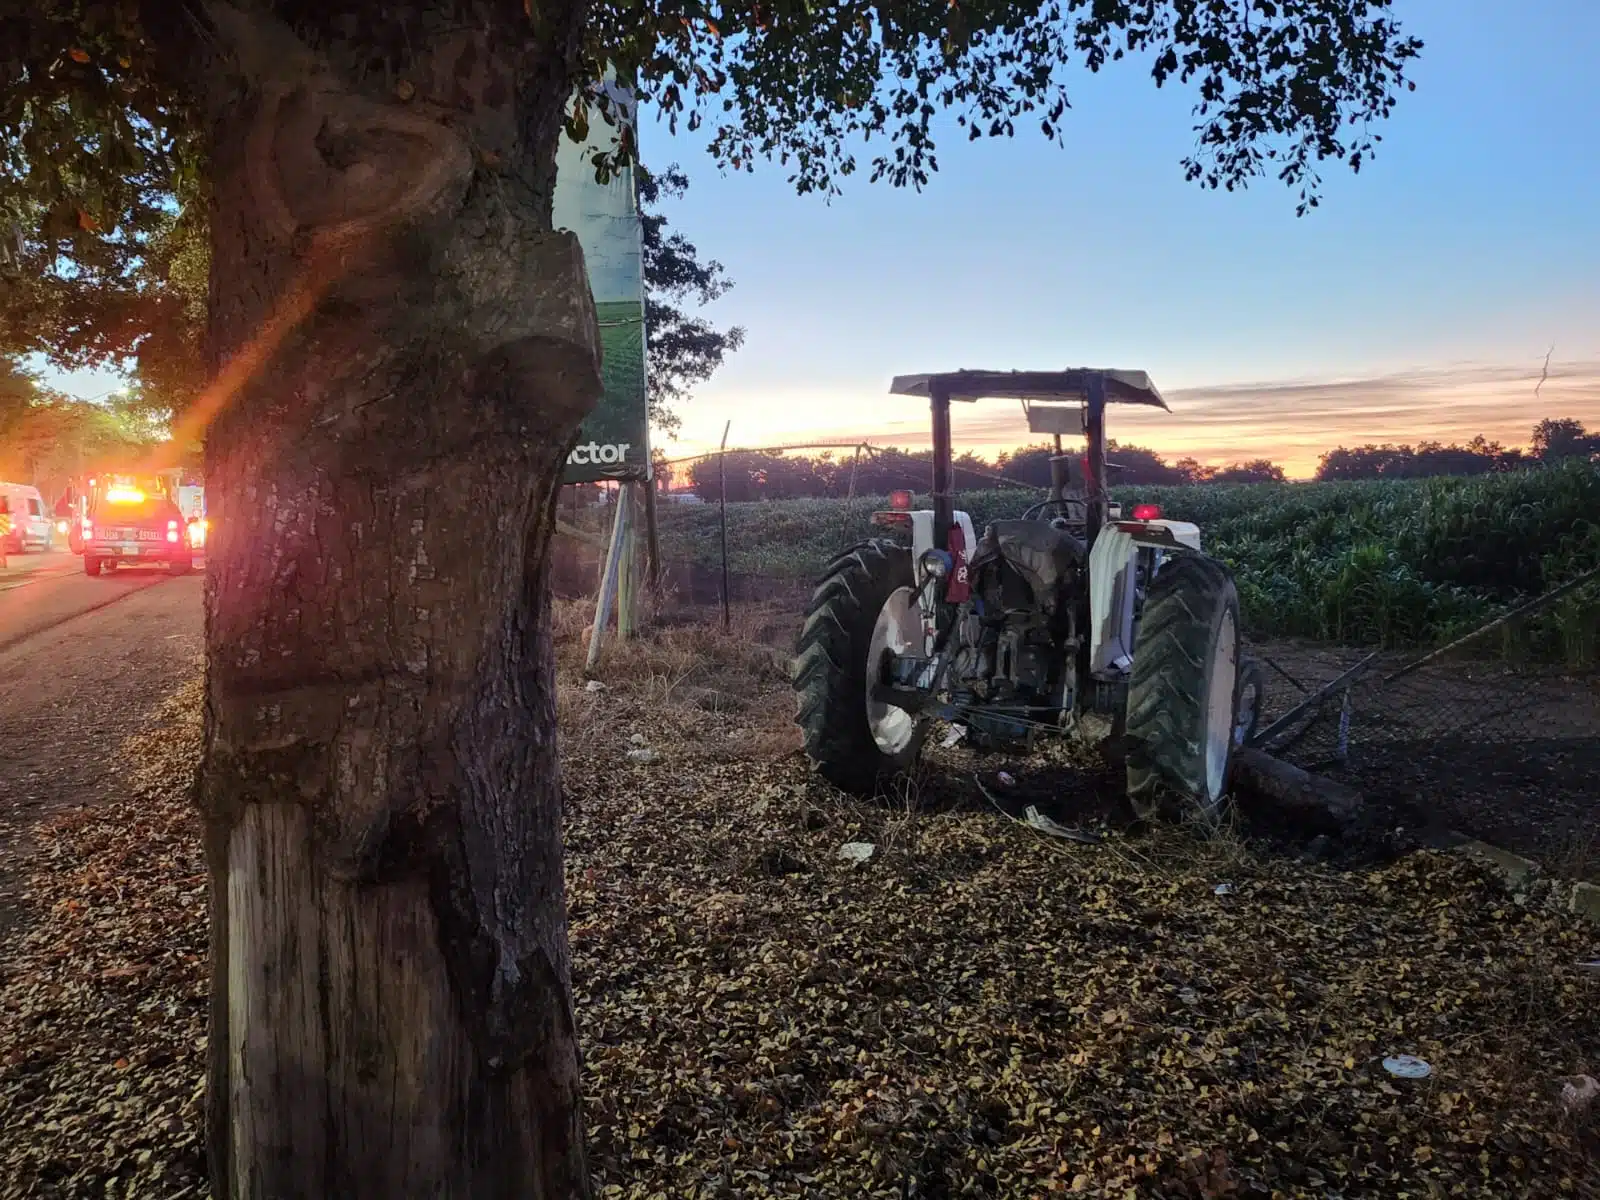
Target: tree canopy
1553,440
776,475
1556,438
49,440
104,185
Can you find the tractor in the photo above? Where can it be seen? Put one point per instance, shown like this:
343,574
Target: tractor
1074,619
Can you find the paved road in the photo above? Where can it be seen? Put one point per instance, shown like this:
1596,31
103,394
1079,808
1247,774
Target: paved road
40,591
20,570
83,664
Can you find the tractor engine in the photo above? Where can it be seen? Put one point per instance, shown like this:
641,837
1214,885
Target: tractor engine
1013,664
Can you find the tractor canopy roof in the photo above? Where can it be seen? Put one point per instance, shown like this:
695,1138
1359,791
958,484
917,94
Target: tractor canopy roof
1071,386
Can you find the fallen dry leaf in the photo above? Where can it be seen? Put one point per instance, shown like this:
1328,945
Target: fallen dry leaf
983,1012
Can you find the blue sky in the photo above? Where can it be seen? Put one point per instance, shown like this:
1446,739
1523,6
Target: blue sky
1425,290
1418,301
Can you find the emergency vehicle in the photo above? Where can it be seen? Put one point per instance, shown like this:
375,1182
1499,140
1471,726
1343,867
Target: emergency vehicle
134,520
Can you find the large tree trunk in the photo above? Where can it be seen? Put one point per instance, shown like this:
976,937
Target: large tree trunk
404,351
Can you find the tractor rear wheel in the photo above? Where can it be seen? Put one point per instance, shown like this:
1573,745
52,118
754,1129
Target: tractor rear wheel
1182,693
1248,694
864,606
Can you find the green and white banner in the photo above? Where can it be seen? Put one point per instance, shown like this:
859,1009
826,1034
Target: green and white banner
615,440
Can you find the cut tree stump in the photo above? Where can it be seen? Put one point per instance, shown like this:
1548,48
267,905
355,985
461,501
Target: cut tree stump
1287,786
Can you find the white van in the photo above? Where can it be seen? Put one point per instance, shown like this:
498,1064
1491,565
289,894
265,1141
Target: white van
30,520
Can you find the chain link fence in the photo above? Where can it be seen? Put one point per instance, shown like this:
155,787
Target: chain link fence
1495,735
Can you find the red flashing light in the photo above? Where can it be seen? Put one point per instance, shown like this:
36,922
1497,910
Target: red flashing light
1147,512
900,500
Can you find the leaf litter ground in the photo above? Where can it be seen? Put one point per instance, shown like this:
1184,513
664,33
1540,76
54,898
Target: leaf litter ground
975,1010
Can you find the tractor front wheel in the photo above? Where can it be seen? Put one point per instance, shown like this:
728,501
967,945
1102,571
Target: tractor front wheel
1183,698
864,607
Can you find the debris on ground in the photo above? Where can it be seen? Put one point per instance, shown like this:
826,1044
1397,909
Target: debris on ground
981,1014
1579,1092
857,852
1407,1066
103,991
1035,819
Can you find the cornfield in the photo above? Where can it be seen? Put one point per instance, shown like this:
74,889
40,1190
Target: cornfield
1384,563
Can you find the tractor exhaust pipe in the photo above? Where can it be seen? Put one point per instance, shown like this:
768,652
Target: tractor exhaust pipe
1060,474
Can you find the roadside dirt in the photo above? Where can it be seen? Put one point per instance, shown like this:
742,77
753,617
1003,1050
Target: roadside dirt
42,591
70,695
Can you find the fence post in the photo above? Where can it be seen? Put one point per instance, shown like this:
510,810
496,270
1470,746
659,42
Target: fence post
627,570
608,584
722,519
652,536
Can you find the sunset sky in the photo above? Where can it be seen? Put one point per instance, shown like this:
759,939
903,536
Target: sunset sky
1420,301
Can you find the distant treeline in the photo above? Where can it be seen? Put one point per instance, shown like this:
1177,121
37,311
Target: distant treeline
761,475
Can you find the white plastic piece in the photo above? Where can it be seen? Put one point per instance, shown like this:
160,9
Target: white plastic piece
1407,1066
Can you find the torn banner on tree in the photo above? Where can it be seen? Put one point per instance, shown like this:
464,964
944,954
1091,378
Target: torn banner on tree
614,442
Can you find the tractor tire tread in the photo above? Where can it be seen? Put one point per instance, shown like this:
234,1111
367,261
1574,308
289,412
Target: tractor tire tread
1168,685
829,668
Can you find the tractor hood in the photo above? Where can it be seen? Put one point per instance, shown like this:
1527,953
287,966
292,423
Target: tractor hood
1072,386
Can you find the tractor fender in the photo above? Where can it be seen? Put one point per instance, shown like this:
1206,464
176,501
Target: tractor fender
1111,583
1185,533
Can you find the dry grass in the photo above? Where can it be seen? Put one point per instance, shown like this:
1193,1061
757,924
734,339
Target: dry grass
1576,857
720,683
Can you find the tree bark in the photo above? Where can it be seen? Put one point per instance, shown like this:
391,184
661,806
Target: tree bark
403,352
